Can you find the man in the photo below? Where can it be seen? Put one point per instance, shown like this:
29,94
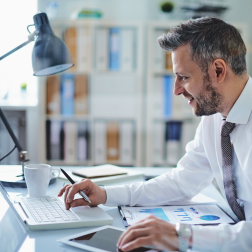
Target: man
209,63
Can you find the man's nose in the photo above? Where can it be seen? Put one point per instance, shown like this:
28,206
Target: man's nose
178,88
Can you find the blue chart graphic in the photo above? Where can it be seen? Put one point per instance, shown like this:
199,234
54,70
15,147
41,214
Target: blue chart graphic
209,217
180,212
158,212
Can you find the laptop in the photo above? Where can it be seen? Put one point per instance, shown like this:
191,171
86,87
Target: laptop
49,213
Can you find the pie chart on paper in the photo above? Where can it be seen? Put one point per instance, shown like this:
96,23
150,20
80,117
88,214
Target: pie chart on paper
209,217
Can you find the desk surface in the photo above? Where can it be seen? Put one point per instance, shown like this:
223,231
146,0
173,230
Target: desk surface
15,236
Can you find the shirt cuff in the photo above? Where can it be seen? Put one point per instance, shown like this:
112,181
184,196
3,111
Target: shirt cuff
117,195
205,238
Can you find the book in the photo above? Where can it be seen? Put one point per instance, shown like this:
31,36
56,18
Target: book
70,130
62,141
128,49
82,141
84,47
167,95
53,95
70,38
158,136
114,48
112,141
48,140
100,142
101,49
126,147
55,139
67,94
159,53
168,61
81,95
99,171
172,139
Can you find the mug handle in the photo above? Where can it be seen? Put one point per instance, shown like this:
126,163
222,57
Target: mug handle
55,169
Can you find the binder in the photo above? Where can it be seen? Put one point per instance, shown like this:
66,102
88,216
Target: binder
128,49
55,139
70,141
101,49
62,141
158,137
112,141
100,142
53,95
159,53
114,48
81,95
167,95
172,138
126,142
156,94
82,141
48,140
67,94
168,61
84,48
70,38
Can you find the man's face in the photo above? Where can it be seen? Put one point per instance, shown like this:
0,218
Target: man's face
194,85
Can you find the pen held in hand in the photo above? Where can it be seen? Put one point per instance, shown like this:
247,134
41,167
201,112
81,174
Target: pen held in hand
85,197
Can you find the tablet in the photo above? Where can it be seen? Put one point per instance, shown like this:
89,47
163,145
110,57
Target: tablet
99,240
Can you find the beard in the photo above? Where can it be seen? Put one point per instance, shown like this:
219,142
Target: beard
208,102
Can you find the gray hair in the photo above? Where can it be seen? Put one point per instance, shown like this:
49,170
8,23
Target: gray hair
209,39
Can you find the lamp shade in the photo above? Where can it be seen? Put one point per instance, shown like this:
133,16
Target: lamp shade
50,54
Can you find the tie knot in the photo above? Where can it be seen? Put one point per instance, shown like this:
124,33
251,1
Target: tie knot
227,128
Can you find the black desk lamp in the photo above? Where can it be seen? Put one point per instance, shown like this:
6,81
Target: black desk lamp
50,55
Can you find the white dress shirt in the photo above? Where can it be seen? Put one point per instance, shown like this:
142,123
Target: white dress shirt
196,170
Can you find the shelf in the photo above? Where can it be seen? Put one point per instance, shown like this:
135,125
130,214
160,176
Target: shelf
68,117
165,72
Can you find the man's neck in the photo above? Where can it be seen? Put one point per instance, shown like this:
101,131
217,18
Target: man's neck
233,90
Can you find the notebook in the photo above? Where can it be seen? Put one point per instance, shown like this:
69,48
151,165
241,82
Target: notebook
49,213
99,171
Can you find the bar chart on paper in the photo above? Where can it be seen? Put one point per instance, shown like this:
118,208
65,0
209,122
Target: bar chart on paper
190,214
181,214
158,212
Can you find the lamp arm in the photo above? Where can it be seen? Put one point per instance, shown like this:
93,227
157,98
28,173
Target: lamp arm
7,125
31,37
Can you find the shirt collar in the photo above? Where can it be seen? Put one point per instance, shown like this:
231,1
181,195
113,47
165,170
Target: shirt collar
241,110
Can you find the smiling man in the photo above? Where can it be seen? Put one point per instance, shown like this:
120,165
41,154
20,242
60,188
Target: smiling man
209,63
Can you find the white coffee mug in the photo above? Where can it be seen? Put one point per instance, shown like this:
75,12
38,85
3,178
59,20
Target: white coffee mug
37,177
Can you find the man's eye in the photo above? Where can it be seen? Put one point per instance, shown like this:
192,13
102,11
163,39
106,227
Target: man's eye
183,78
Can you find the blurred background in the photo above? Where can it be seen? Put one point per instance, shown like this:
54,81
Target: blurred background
116,104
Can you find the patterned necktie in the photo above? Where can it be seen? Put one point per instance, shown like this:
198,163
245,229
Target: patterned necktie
229,184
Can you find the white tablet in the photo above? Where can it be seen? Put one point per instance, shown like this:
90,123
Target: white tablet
99,240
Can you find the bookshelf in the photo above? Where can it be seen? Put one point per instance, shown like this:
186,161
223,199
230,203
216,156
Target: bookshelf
170,123
108,127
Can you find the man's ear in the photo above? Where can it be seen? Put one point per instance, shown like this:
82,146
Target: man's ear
220,69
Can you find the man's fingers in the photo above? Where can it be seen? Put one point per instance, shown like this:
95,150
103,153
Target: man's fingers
67,205
62,190
138,225
139,242
132,234
78,202
83,185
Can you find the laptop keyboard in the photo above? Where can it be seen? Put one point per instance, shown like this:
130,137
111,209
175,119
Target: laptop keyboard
49,209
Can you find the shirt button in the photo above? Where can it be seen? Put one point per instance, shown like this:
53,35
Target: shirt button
242,205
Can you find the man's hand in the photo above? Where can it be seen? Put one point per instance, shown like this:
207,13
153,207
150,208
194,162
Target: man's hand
96,194
149,231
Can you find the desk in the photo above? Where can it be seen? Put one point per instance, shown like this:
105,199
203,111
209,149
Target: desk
15,236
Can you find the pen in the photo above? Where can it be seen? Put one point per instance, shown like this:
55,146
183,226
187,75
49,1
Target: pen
85,197
121,212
